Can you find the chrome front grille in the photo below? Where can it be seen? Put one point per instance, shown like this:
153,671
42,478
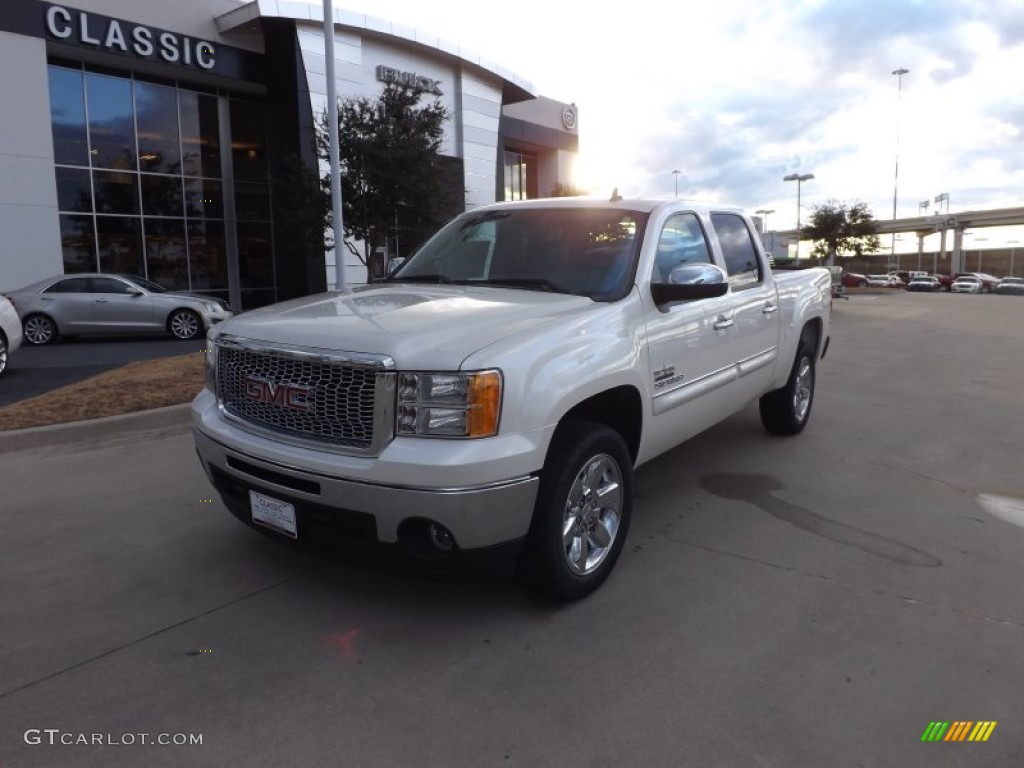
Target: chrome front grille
337,400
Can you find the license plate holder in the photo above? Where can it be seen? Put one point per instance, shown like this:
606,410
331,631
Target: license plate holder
274,514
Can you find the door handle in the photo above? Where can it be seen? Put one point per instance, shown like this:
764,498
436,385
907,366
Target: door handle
722,322
769,308
102,301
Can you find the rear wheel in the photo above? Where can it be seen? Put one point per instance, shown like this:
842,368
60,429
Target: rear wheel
39,329
785,411
184,324
582,513
862,283
3,353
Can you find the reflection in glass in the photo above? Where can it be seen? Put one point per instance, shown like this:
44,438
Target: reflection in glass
208,263
74,190
116,192
257,297
166,258
120,244
248,141
67,117
161,195
200,134
203,199
252,201
255,255
78,243
156,118
111,124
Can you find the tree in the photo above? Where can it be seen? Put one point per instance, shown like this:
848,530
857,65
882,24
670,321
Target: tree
395,183
839,229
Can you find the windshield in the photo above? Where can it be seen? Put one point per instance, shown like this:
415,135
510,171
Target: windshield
582,251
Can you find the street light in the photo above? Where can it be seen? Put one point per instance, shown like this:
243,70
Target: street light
799,178
1012,244
896,177
979,240
676,173
764,212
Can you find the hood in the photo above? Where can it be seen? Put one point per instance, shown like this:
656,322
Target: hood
421,327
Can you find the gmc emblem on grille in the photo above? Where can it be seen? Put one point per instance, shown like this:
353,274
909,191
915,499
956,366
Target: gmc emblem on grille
273,393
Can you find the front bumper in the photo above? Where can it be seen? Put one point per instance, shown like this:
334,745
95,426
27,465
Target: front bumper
335,492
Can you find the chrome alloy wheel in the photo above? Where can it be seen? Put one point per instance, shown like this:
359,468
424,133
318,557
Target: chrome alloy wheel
3,354
184,325
38,330
593,511
802,389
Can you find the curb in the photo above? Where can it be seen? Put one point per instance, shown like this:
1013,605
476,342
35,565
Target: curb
77,431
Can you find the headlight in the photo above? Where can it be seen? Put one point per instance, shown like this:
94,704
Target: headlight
210,363
449,404
213,309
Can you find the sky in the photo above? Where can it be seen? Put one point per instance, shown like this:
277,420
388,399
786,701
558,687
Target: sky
736,94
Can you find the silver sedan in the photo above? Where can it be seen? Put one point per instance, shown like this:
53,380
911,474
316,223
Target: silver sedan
101,304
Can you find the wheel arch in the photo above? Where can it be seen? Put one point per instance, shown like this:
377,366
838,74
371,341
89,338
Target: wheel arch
619,408
811,334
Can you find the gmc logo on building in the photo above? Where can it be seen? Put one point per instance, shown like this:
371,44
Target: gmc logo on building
280,394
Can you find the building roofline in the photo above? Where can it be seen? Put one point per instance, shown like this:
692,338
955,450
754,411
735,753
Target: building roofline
298,11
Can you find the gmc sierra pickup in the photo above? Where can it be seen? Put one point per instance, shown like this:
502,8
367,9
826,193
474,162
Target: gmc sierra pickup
506,381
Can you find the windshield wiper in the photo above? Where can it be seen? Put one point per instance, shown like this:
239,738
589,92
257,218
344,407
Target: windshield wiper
538,283
431,278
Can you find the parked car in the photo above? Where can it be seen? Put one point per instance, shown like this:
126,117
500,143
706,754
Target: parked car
967,284
854,280
928,283
988,282
103,304
10,332
1011,285
884,281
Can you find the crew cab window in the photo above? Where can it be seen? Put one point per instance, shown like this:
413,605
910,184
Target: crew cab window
110,285
682,241
72,285
739,250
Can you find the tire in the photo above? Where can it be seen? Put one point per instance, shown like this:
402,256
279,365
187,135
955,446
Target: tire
574,542
786,411
862,284
184,324
39,330
3,353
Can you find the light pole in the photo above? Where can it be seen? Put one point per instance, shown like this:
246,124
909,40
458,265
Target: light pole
764,212
799,178
676,173
1012,244
896,177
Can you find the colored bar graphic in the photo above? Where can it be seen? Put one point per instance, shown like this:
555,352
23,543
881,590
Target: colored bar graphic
958,730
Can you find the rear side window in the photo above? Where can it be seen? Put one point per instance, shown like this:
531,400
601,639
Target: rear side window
71,285
739,250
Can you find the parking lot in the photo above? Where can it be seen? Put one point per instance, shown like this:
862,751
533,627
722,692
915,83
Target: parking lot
813,601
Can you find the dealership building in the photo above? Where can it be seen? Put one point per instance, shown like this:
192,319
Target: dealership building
163,139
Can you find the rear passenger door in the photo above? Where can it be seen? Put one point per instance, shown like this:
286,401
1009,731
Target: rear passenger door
753,312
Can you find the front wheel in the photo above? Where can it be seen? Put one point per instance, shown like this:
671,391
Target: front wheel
184,324
3,353
582,513
785,411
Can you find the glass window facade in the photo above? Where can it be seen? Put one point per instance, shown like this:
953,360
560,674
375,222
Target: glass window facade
520,175
141,178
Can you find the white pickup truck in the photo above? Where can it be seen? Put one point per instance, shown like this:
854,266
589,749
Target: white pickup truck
504,383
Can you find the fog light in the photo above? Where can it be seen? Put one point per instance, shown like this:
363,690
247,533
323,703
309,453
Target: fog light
441,537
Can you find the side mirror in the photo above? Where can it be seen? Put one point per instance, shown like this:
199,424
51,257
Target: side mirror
136,294
394,264
687,282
